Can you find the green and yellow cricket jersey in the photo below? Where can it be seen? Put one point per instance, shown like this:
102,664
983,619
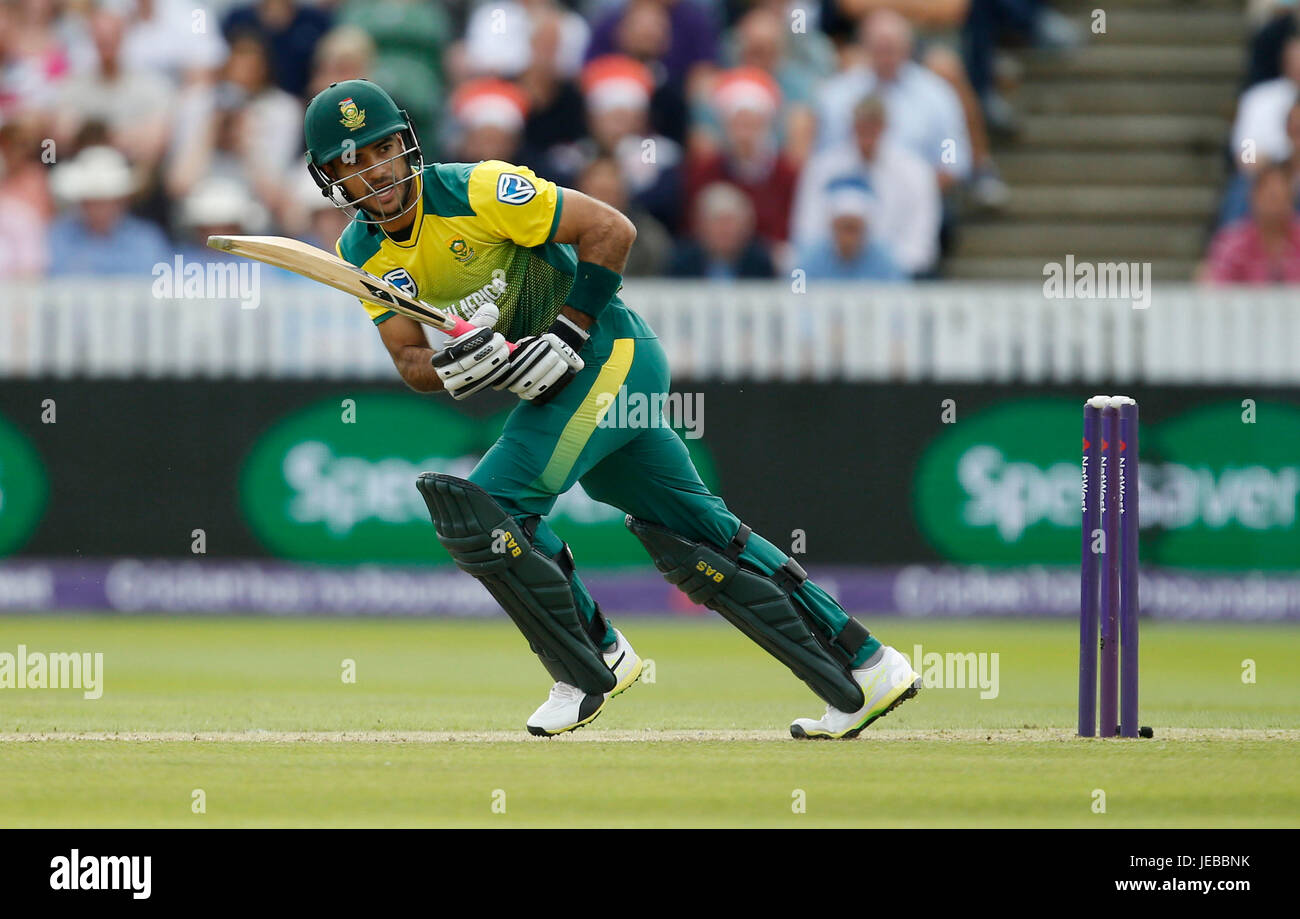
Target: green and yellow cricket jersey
483,232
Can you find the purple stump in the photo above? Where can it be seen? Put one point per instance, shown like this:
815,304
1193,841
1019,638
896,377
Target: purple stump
1088,610
1128,570
1108,705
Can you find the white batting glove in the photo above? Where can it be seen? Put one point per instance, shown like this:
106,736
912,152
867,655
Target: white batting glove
541,366
471,362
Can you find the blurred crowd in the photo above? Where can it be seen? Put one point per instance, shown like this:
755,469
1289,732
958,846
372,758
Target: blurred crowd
745,139
1257,233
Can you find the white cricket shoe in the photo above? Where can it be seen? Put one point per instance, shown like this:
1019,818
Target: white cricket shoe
624,662
887,685
569,707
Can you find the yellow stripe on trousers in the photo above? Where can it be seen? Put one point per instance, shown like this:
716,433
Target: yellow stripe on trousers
593,408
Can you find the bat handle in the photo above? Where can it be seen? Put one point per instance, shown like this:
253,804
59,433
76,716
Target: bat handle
460,327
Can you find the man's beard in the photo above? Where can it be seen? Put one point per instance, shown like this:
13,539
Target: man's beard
403,187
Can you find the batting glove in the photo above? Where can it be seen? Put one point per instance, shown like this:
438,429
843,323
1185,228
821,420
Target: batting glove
543,365
475,360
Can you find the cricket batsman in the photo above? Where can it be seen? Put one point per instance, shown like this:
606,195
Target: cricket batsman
529,262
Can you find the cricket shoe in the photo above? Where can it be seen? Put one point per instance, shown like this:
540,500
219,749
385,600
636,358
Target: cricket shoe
569,707
887,684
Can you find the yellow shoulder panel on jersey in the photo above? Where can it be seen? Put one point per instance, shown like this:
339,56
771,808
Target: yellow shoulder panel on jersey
514,202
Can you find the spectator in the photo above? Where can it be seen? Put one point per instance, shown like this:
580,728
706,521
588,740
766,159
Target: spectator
345,53
1236,198
725,247
835,23
988,21
555,105
603,181
32,60
412,39
924,114
175,38
1261,114
747,101
679,36
856,252
244,128
489,118
499,38
908,208
1265,247
675,41
617,93
290,30
219,207
134,105
312,217
97,236
223,207
761,40
23,176
23,249
1269,41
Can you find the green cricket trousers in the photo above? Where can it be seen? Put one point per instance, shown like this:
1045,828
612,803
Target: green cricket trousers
644,471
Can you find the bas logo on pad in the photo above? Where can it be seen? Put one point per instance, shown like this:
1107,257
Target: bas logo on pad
514,189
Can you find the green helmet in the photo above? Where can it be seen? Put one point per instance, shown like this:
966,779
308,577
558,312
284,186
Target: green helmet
345,117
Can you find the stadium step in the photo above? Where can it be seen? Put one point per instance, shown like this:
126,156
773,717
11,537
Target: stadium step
1114,241
1138,61
1129,97
1091,202
1120,153
1155,26
1030,167
1119,132
1184,8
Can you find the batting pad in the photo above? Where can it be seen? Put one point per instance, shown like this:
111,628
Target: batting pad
759,605
494,547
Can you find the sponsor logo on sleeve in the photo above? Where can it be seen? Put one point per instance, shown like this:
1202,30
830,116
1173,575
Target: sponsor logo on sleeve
514,189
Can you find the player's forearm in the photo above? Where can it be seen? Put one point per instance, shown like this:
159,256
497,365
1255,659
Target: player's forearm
607,240
414,364
581,320
603,237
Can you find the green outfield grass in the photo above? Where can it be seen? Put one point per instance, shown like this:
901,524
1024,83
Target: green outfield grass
434,726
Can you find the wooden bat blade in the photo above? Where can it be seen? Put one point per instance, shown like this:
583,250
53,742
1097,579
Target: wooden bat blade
327,268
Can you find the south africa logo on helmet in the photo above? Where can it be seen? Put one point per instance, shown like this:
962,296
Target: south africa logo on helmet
353,117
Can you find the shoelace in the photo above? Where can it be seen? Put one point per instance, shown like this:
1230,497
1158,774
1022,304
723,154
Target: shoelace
566,692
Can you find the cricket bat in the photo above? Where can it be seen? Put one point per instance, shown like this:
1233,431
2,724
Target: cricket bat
327,268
